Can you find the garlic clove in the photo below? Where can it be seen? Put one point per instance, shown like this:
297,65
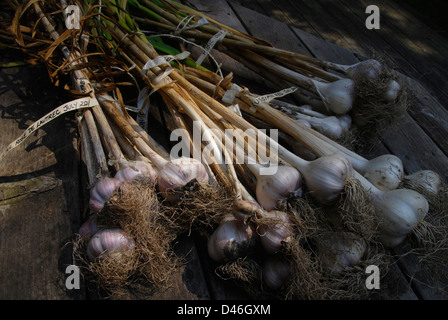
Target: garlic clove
276,272
232,239
177,174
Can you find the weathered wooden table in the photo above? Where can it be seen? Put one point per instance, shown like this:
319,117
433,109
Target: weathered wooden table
43,182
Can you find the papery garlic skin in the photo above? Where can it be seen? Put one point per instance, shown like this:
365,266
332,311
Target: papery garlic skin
340,251
274,230
176,174
327,176
108,241
101,192
232,239
276,272
385,172
270,189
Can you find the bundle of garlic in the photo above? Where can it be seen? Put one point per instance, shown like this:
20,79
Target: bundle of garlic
368,91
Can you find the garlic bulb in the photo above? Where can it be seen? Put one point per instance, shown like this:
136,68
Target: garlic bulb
270,189
329,126
232,239
89,227
337,96
274,230
368,69
276,272
399,211
177,174
345,121
340,251
244,209
325,177
385,172
101,192
392,91
137,169
108,241
426,180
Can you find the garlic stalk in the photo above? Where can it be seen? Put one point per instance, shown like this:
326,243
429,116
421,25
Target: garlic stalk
367,69
172,175
325,177
338,96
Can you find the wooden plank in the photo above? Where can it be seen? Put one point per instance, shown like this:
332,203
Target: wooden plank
39,209
393,44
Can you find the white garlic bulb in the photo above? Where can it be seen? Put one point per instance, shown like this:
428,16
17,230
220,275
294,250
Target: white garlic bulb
337,96
398,211
326,176
345,121
101,192
272,188
385,172
177,174
108,241
426,180
232,239
276,272
368,69
340,251
275,229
